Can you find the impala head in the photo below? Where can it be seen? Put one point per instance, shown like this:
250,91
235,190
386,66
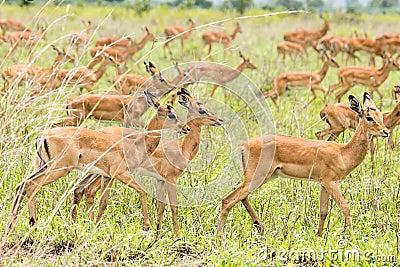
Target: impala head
158,78
63,54
198,112
184,74
396,92
191,23
167,114
246,61
370,116
238,28
110,60
149,35
331,61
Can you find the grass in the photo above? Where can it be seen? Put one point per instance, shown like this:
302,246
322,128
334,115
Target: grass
289,209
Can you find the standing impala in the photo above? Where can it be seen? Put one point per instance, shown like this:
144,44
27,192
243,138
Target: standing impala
307,37
367,76
12,24
123,50
310,80
177,32
267,157
80,37
167,163
289,48
210,37
15,74
61,150
217,73
340,117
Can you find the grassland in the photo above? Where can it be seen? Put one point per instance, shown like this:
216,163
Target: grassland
289,209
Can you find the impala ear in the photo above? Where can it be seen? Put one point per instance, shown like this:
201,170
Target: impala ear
184,98
355,105
152,99
368,102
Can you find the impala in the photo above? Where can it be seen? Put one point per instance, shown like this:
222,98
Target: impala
61,150
340,117
80,37
293,49
25,39
335,45
175,32
210,37
367,76
218,73
267,157
167,163
126,84
306,37
14,74
310,80
122,50
12,24
86,77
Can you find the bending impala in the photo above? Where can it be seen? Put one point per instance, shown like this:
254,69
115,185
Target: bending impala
175,32
218,73
80,37
210,37
61,150
367,76
12,24
340,117
167,163
301,79
15,74
293,49
267,157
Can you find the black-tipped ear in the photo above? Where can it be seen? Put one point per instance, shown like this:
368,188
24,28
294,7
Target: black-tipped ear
355,105
240,54
183,91
151,99
368,102
151,65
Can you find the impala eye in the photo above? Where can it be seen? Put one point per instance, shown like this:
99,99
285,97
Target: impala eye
162,80
369,118
172,116
202,111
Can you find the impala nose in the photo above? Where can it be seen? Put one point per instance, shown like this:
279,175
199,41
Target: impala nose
385,133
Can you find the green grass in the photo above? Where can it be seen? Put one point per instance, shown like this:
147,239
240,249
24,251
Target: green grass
289,209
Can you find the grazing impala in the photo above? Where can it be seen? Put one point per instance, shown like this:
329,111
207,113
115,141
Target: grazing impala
126,84
306,37
293,49
175,32
310,80
335,45
367,76
24,38
218,73
80,37
12,24
340,117
15,74
61,150
86,77
267,157
167,163
210,37
122,50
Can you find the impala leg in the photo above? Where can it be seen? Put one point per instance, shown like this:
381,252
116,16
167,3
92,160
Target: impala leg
78,193
225,95
333,88
161,202
182,47
334,133
339,94
213,90
372,149
323,209
209,49
391,141
106,185
173,202
334,191
256,220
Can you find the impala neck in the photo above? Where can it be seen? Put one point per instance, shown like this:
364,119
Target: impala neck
235,32
191,143
100,71
392,119
383,72
357,148
324,29
324,70
143,42
152,137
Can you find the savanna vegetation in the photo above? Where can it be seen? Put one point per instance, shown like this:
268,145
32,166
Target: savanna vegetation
288,208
